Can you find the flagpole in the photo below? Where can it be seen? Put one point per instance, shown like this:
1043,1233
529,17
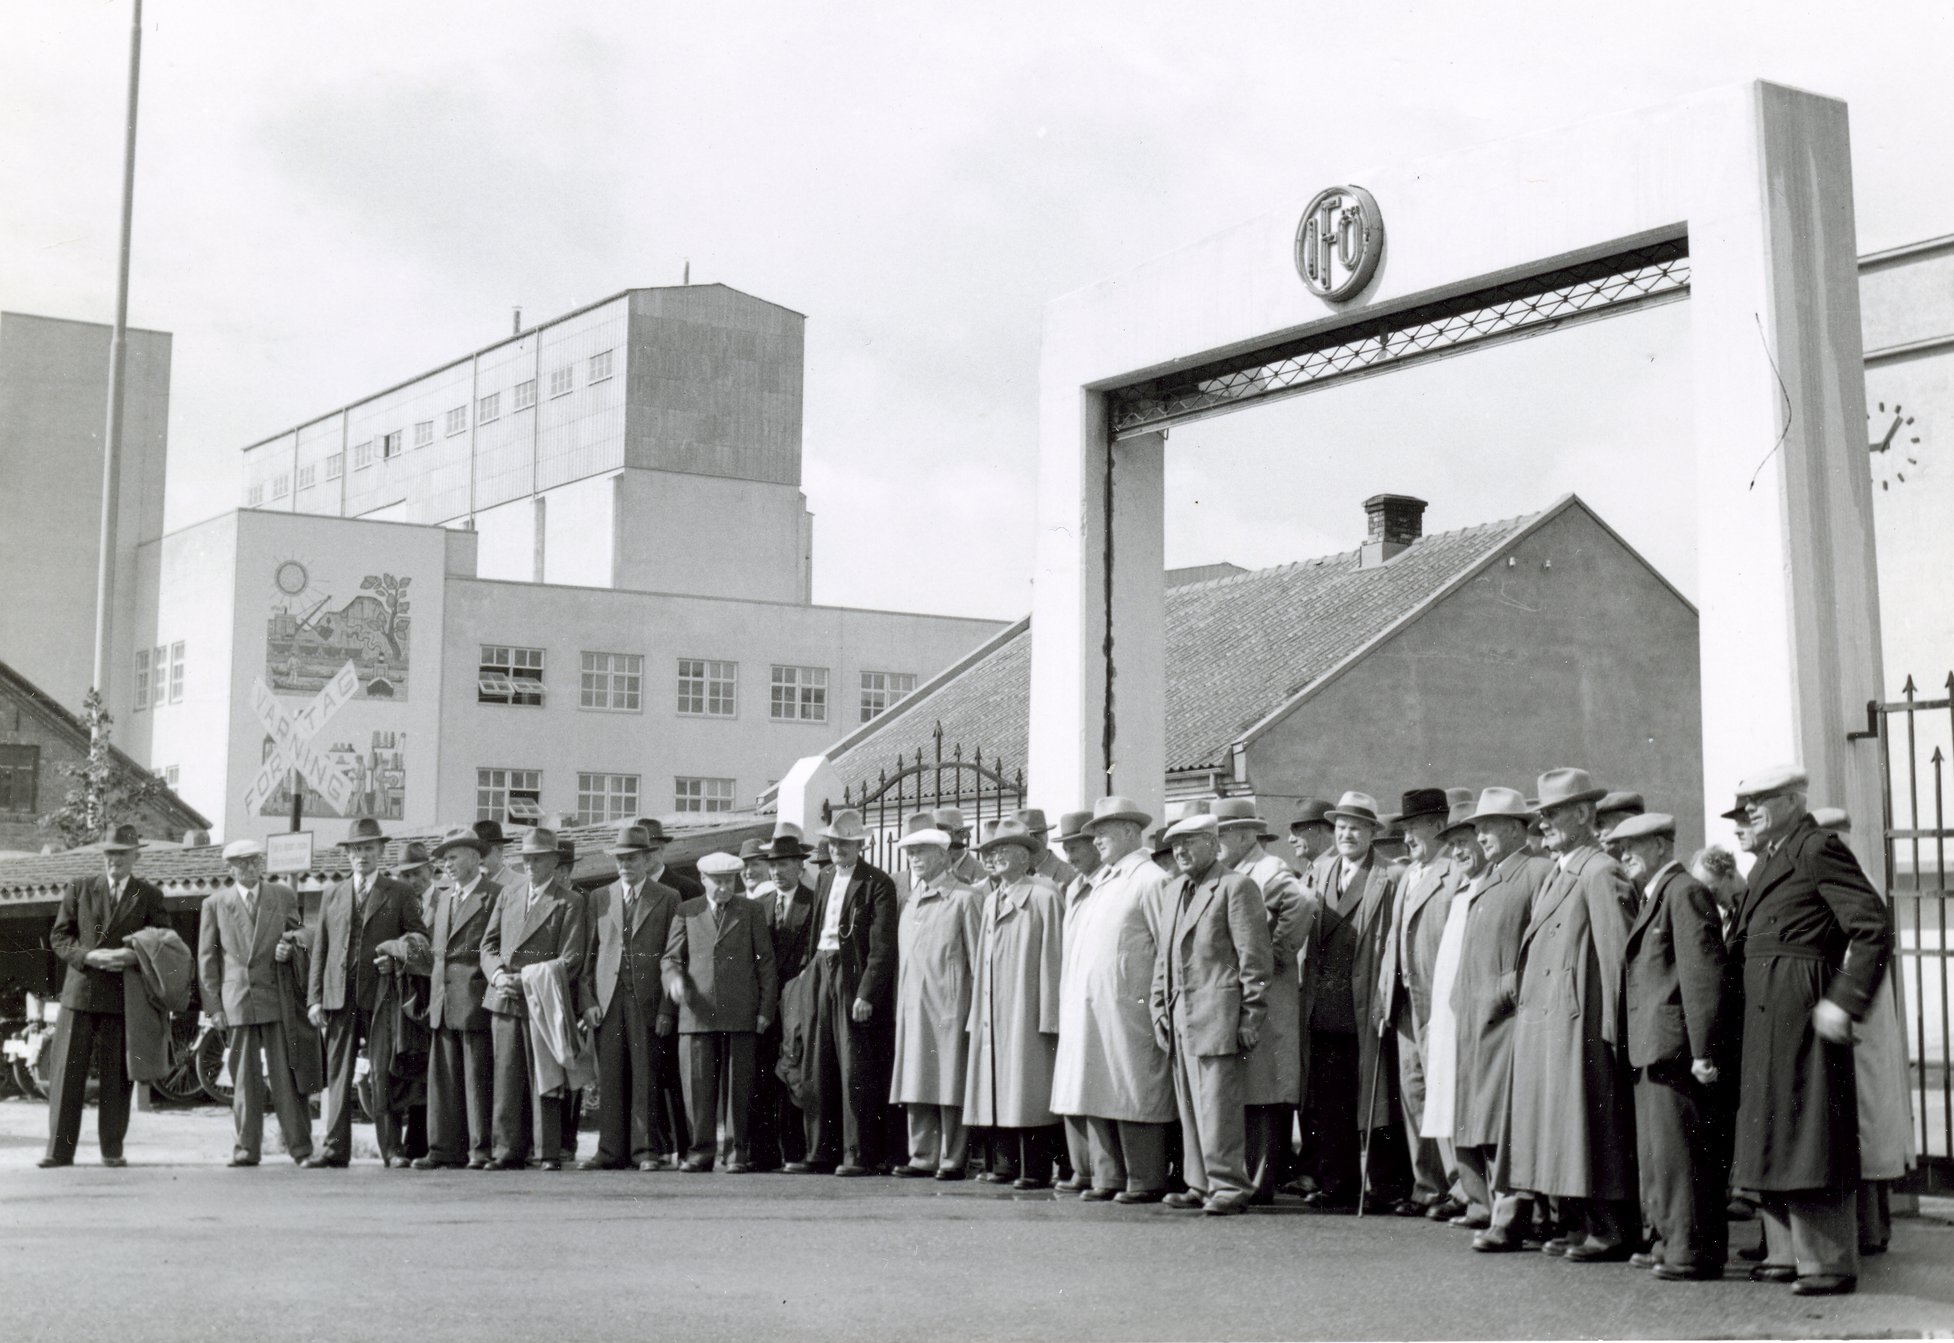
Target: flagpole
118,343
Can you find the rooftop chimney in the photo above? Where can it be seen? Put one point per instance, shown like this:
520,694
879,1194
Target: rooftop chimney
1396,520
517,323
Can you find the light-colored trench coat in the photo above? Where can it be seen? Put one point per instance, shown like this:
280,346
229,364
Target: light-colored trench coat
937,941
1014,1008
1275,1065
1108,1064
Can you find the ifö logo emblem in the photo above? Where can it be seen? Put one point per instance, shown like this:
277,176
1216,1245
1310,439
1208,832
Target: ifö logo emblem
1339,242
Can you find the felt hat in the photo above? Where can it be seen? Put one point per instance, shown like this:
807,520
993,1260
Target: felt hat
923,839
630,839
1311,811
1737,813
1643,824
122,839
654,831
1622,801
1157,842
1459,818
243,848
1417,802
846,825
820,855
751,849
1010,830
720,864
1073,825
948,818
1454,796
1034,820
466,837
364,830
1116,808
1496,802
919,820
788,830
785,846
1235,813
1559,787
1190,827
1355,806
538,841
414,857
1776,779
488,832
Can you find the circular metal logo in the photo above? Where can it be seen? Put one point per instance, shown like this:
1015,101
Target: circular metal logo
1339,242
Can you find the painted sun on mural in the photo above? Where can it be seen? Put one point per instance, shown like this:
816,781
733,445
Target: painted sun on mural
310,635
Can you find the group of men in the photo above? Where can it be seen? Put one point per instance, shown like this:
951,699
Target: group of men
1536,1023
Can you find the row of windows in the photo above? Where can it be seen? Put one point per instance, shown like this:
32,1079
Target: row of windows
488,408
159,675
517,795
707,687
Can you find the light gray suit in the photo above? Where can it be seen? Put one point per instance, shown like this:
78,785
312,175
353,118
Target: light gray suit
237,962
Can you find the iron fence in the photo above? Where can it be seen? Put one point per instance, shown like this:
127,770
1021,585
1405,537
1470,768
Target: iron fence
983,790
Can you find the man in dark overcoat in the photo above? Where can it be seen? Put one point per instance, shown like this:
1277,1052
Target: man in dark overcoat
461,1059
1815,939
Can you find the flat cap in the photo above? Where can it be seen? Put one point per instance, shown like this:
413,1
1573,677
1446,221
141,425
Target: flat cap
917,839
1640,827
1193,825
243,848
1774,779
720,865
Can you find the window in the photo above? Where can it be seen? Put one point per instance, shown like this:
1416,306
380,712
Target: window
510,676
362,455
706,688
254,496
508,794
423,433
335,466
882,690
176,672
457,421
525,394
142,678
600,367
280,486
390,445
488,408
606,797
612,681
20,766
800,694
703,795
308,477
563,380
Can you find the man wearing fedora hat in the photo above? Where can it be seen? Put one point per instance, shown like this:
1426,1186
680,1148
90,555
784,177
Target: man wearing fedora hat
688,888
853,960
1076,842
1050,866
96,914
1815,941
536,920
1499,902
965,863
756,882
937,938
1437,1117
1111,1082
622,998
417,870
1426,887
1274,1083
1573,1125
780,1135
461,1059
356,915
1311,831
1014,1010
1351,1070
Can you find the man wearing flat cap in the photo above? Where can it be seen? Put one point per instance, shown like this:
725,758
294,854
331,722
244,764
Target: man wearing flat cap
938,936
356,915
1815,939
461,1059
96,914
1111,1080
1349,1108
1210,1006
1673,986
1573,1117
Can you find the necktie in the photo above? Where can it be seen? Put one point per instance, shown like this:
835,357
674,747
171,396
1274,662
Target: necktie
630,906
718,914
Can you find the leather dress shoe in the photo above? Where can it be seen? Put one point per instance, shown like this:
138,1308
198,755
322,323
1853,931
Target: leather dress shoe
592,1163
52,1163
1075,1184
1556,1247
1472,1221
1679,1273
1225,1205
948,1175
1406,1207
738,1168
242,1161
1186,1199
652,1163
1445,1210
1496,1240
1323,1202
1641,1259
691,1167
849,1171
117,1163
994,1177
1774,1273
1865,1247
1301,1187
1598,1254
549,1165
1097,1195
323,1163
479,1163
1132,1196
1825,1284
1030,1182
912,1173
800,1168
430,1163
1753,1254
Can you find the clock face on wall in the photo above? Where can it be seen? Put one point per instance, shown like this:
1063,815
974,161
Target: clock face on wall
1895,444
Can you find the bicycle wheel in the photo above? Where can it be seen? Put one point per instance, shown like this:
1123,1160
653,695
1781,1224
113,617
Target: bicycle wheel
183,1085
212,1074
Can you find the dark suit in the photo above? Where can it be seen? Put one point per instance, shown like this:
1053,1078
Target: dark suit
90,1026
461,1061
848,1072
237,945
1811,927
346,983
1672,981
521,933
623,982
720,960
778,1130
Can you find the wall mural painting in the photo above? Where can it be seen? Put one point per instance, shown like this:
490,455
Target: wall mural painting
311,634
378,773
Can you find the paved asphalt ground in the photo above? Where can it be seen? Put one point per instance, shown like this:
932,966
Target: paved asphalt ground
179,1246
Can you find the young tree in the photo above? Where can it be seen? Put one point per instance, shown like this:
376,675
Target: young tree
102,790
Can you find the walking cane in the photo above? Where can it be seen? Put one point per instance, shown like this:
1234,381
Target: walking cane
1370,1103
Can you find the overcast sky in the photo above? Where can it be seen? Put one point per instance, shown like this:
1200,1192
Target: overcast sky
332,198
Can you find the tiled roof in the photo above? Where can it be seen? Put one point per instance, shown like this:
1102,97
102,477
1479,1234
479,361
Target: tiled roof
1238,648
193,872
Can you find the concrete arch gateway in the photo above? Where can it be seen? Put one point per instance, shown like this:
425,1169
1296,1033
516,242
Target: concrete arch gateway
1739,198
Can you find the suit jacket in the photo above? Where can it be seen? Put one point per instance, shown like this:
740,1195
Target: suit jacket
1410,950
455,980
867,932
1211,970
86,923
724,965
1673,978
788,913
348,939
1350,936
519,935
688,888
634,954
236,964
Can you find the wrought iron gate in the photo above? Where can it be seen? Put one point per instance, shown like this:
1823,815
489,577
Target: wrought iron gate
982,790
